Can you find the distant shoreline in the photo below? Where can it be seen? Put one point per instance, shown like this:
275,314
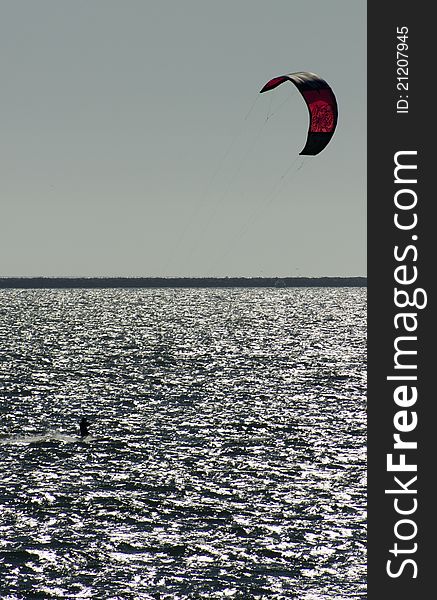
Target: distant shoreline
177,282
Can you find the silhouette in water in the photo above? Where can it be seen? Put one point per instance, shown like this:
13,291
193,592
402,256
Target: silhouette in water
84,423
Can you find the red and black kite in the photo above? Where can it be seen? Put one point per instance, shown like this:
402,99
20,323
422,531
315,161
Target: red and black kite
322,107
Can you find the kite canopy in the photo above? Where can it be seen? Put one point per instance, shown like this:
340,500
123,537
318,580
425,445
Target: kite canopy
322,107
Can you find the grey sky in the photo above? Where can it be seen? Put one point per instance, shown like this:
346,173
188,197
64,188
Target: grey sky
134,140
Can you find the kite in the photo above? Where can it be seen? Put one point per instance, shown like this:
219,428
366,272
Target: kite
322,106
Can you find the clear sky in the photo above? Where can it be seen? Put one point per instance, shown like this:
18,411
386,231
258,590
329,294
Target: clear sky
134,140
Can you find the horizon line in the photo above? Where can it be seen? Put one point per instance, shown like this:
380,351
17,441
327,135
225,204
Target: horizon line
174,281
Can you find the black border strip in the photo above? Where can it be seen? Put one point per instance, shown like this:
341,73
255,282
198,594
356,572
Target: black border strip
390,132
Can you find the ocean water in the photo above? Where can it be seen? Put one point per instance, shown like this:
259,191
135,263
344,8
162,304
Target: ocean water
228,449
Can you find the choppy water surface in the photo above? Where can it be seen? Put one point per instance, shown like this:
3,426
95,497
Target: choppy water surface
228,454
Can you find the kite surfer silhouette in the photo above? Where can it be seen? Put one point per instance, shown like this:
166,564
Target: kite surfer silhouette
84,424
